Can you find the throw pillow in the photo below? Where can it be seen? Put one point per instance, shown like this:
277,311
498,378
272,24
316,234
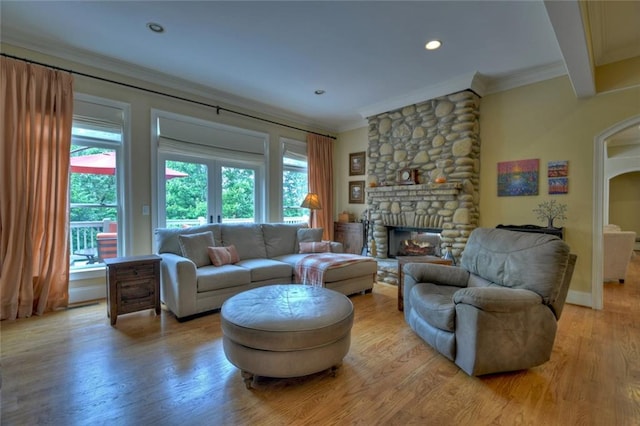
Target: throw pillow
310,235
223,255
313,247
194,247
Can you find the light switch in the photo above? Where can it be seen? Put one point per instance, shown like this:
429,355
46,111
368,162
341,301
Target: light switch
145,210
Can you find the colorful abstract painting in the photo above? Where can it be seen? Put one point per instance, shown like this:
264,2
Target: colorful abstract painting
518,178
558,169
559,185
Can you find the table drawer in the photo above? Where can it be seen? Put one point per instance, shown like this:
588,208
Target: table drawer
135,294
133,272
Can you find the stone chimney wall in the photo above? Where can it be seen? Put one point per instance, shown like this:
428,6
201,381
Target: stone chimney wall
440,138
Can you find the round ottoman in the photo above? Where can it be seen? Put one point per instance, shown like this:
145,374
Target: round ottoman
286,330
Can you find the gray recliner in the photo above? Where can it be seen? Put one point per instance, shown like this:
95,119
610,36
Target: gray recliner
498,310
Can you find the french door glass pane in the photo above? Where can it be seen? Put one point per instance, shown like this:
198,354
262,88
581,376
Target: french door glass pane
93,209
186,196
238,194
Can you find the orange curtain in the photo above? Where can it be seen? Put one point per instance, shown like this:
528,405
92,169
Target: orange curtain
37,112
320,167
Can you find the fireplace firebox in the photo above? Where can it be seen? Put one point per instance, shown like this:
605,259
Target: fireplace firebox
408,241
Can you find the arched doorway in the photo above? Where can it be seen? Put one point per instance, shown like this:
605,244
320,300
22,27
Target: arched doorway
600,203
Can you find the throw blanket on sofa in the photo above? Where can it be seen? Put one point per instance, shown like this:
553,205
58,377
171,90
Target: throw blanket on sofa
310,269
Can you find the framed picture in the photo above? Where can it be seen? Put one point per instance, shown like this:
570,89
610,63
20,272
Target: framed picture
559,185
356,192
357,162
517,178
557,169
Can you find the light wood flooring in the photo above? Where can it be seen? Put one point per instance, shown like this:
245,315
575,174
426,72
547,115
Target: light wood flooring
73,368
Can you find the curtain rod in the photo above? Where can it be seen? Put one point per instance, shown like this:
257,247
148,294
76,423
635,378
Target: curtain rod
218,108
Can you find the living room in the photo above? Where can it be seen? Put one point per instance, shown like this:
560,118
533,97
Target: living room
543,120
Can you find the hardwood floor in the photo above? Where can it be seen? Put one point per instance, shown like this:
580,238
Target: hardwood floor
72,368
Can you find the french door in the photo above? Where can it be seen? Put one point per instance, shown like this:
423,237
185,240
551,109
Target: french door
195,191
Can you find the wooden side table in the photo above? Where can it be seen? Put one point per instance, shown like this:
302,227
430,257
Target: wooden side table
350,235
133,284
403,260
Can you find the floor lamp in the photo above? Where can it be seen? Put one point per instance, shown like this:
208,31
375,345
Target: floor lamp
311,202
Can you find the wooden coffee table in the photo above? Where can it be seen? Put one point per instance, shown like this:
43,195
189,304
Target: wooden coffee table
403,260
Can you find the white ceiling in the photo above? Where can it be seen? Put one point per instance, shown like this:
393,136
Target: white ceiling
270,57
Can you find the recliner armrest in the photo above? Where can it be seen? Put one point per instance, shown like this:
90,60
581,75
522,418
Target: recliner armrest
497,299
436,274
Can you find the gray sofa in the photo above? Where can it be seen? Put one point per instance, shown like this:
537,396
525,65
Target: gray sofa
498,310
268,253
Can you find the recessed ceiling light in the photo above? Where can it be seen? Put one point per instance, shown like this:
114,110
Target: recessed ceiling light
155,27
319,92
433,45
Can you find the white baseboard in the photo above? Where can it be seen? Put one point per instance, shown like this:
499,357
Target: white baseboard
88,292
579,298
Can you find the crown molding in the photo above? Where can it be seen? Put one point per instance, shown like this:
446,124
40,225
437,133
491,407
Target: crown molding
525,77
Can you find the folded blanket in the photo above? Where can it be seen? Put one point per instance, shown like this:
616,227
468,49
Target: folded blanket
310,269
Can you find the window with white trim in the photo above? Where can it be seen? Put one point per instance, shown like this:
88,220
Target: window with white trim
294,181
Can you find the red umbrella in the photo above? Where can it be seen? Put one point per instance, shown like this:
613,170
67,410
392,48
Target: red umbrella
105,164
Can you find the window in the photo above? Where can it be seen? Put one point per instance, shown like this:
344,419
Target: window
95,187
295,184
221,172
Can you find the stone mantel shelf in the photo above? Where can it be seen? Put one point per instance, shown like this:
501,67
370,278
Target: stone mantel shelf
435,188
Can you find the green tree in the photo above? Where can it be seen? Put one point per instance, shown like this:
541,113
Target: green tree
186,197
294,190
238,193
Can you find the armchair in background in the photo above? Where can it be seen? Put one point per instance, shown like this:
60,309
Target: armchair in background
617,251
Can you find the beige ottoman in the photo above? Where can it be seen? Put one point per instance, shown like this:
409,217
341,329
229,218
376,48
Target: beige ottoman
286,330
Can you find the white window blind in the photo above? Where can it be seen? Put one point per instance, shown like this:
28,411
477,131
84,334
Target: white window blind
210,139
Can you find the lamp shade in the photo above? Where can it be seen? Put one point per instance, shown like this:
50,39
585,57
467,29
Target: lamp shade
311,201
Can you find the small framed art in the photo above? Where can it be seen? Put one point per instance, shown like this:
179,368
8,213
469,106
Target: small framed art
356,192
357,162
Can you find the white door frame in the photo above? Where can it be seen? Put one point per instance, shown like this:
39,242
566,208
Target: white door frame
600,194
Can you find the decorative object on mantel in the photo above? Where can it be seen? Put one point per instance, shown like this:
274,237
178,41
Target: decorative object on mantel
440,179
557,174
550,211
407,176
357,163
517,178
356,192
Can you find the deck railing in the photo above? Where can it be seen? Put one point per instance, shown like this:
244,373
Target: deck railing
83,235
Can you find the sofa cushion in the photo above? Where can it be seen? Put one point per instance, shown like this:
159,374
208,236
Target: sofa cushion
267,269
314,247
194,247
312,235
223,255
167,238
218,277
246,237
434,303
281,238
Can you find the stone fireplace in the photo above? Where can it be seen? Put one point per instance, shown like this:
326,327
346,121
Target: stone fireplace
439,139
